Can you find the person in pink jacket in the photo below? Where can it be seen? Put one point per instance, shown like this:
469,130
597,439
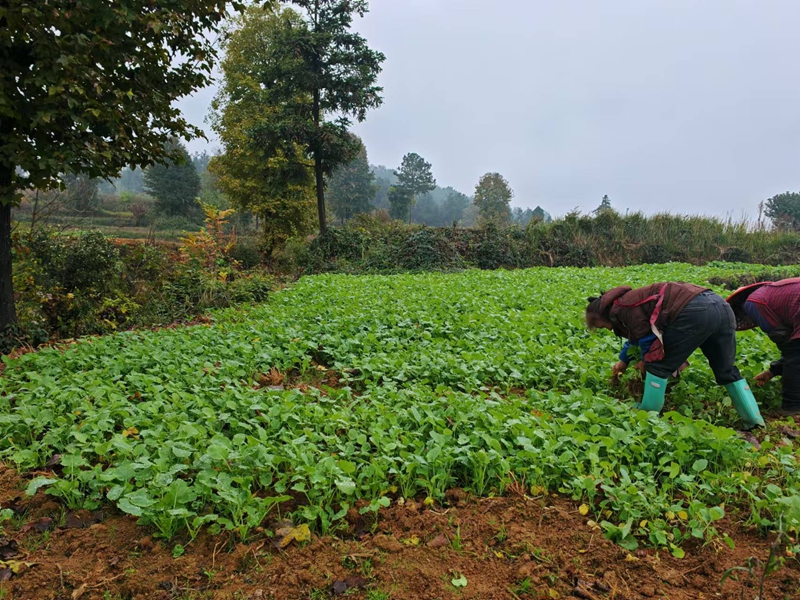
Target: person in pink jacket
774,307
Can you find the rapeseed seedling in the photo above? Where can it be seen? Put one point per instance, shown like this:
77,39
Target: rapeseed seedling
470,380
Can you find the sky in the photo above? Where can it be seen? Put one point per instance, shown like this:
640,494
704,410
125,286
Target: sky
684,106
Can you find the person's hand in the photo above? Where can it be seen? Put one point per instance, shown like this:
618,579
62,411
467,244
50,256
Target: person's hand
763,378
619,369
641,368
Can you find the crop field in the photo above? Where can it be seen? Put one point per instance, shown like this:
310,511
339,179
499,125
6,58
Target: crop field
345,394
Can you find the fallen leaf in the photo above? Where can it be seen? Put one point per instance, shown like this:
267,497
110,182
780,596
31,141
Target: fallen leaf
752,439
354,582
8,549
17,567
792,433
584,509
287,535
631,558
78,592
412,541
5,574
79,521
73,521
440,541
459,582
40,526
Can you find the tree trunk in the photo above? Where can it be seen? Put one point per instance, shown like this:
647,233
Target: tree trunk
318,172
323,223
8,312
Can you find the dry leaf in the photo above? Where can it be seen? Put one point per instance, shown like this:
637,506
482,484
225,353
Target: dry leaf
287,535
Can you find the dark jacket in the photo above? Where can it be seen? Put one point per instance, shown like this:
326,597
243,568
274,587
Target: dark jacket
631,310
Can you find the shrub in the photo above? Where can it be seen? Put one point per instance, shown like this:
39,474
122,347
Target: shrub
246,252
80,285
427,249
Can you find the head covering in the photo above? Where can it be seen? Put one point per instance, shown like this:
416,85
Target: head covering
737,300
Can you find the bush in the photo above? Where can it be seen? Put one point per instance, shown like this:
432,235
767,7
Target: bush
427,249
86,262
246,252
371,243
81,285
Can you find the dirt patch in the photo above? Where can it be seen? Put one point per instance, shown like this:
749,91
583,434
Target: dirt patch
512,547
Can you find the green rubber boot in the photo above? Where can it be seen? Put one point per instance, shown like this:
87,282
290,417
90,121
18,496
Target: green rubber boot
654,390
745,404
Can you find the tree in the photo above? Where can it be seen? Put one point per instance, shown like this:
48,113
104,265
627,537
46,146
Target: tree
381,199
130,180
454,206
81,192
90,87
492,197
200,161
784,210
352,187
400,202
415,177
175,186
279,186
317,74
427,211
605,205
540,215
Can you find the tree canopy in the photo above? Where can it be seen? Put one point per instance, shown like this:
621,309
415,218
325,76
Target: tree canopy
605,205
784,210
317,74
90,87
276,185
493,195
352,187
415,175
175,186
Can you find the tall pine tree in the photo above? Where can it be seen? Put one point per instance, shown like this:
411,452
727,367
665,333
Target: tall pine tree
414,178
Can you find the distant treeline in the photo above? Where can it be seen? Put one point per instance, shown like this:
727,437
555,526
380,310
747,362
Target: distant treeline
373,243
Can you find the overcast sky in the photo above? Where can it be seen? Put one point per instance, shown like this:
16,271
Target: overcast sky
681,105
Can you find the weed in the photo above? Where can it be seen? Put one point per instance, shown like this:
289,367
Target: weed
456,542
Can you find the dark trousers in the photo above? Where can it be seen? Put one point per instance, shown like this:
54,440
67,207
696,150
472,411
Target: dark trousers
708,323
789,371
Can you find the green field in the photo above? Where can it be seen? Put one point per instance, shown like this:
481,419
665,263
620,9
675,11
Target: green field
466,380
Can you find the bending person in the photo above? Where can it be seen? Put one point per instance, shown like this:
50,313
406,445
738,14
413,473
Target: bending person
775,309
681,318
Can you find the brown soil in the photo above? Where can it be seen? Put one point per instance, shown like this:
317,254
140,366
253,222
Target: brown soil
512,547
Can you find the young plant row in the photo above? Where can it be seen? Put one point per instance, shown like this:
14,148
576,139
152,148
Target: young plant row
169,425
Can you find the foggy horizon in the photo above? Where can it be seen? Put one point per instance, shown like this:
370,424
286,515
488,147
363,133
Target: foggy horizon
681,108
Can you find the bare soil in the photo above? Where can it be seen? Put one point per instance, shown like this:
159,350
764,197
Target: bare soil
514,547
